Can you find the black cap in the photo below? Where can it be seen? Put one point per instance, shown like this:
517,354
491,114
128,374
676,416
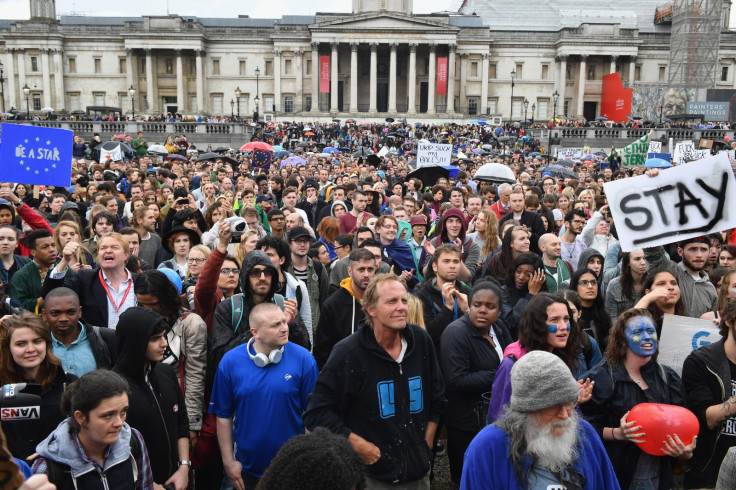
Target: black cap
298,232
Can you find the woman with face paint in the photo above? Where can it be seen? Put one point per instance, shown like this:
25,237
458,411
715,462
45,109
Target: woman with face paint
630,375
661,295
544,325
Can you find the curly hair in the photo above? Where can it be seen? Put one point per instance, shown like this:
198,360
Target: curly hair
618,347
533,328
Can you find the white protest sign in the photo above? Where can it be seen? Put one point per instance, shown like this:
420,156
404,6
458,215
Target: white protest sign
655,147
680,203
685,151
680,336
433,154
574,154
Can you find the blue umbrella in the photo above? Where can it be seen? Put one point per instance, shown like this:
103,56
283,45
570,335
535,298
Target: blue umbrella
453,170
498,130
657,163
281,154
330,149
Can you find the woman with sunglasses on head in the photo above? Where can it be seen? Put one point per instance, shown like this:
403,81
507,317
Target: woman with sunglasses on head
630,375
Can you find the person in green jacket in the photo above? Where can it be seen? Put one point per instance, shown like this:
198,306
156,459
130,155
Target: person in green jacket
556,270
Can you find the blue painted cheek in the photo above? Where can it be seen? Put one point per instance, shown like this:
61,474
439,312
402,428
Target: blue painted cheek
552,328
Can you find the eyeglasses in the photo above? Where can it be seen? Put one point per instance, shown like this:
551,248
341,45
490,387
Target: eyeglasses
341,246
588,284
301,241
256,273
191,260
226,271
578,221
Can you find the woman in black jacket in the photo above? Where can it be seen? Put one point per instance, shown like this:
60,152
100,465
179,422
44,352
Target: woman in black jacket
157,407
471,349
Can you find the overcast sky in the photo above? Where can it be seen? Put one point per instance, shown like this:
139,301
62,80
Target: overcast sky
19,9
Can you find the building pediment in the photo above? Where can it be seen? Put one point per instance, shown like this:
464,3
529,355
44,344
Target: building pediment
381,22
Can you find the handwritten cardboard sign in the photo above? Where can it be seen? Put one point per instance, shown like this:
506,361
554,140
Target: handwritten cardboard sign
681,335
681,202
433,154
573,154
655,147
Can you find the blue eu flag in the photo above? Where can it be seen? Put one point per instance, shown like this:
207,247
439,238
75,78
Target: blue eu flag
36,155
261,158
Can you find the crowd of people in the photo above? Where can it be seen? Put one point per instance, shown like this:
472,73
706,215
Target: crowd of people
332,319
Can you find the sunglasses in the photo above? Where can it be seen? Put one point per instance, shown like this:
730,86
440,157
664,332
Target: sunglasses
256,273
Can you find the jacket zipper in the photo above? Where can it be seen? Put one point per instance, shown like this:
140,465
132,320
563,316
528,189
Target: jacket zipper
163,422
720,424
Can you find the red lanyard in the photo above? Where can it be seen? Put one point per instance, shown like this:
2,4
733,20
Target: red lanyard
109,296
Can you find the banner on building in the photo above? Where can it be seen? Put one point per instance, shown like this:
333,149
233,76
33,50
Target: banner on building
442,75
324,74
36,155
635,154
615,99
711,111
680,203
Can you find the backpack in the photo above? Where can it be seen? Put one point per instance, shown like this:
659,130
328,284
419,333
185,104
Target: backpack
236,303
56,471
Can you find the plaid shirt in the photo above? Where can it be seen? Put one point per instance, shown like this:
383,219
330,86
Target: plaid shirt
144,479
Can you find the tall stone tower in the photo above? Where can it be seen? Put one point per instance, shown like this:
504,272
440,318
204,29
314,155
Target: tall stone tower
401,6
43,9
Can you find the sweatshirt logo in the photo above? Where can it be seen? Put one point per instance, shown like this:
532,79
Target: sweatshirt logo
387,400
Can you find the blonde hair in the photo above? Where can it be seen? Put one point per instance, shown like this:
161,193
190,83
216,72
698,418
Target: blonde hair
239,250
80,250
490,235
416,312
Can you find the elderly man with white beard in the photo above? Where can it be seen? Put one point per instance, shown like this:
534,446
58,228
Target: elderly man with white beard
540,443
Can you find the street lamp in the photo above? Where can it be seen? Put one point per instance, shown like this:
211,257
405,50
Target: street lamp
526,106
27,91
232,105
534,109
555,96
237,98
511,112
2,86
131,91
256,99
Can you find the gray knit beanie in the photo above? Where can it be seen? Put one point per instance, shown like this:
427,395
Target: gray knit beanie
541,380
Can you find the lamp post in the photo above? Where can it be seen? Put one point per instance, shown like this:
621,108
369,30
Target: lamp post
555,96
511,111
2,86
131,91
661,110
232,105
526,106
534,109
27,91
256,99
237,99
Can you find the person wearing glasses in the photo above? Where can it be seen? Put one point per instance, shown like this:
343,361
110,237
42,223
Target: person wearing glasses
629,375
572,245
594,319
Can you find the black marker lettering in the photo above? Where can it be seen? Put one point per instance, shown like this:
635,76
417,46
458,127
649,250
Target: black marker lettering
624,205
690,201
654,193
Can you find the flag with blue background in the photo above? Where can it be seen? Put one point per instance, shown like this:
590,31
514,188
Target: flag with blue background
36,155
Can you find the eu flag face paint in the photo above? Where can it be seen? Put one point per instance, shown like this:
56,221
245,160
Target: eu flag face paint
641,335
552,328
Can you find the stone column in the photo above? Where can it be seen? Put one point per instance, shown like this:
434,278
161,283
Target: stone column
58,70
149,84
484,84
46,73
333,77
21,78
632,70
315,77
299,70
451,79
277,81
581,84
181,102
463,81
201,102
11,101
612,68
353,78
412,81
432,78
374,75
392,79
129,65
562,76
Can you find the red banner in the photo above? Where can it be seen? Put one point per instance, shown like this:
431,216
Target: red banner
324,74
442,76
615,99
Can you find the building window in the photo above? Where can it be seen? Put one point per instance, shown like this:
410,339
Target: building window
36,102
217,104
242,68
145,102
308,104
99,98
216,71
269,68
566,107
309,67
98,65
193,103
519,67
568,72
123,65
72,65
472,107
724,73
637,73
169,66
34,64
516,108
192,68
143,65
492,71
474,69
289,104
124,101
287,67
542,109
268,103
492,106
661,73
545,72
73,101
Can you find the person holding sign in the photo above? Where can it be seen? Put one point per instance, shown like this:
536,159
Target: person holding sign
628,376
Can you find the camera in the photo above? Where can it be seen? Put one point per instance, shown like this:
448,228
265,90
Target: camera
238,226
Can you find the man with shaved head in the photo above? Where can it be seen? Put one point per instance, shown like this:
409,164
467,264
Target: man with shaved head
558,271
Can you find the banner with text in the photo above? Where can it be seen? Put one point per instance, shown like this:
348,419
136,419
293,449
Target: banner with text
36,155
681,202
324,74
635,154
615,99
685,152
433,154
711,111
442,75
680,336
573,154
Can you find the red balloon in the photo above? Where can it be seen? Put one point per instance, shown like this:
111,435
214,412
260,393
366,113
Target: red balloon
658,421
726,138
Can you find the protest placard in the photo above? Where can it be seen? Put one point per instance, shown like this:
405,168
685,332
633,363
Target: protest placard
36,155
635,154
685,152
681,202
433,154
681,335
655,147
573,154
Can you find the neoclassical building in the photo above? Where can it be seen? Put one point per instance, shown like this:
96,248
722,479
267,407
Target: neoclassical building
380,60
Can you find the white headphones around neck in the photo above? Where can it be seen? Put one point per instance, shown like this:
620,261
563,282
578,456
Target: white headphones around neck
262,360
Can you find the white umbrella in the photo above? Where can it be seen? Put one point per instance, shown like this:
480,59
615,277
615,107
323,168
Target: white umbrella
158,149
495,172
47,109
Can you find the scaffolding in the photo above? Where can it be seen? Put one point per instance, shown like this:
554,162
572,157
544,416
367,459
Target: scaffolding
694,43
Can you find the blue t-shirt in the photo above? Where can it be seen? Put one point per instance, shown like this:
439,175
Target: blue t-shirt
266,403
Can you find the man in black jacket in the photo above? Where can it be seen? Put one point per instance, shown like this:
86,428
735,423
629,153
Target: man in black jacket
80,348
342,313
311,203
382,389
